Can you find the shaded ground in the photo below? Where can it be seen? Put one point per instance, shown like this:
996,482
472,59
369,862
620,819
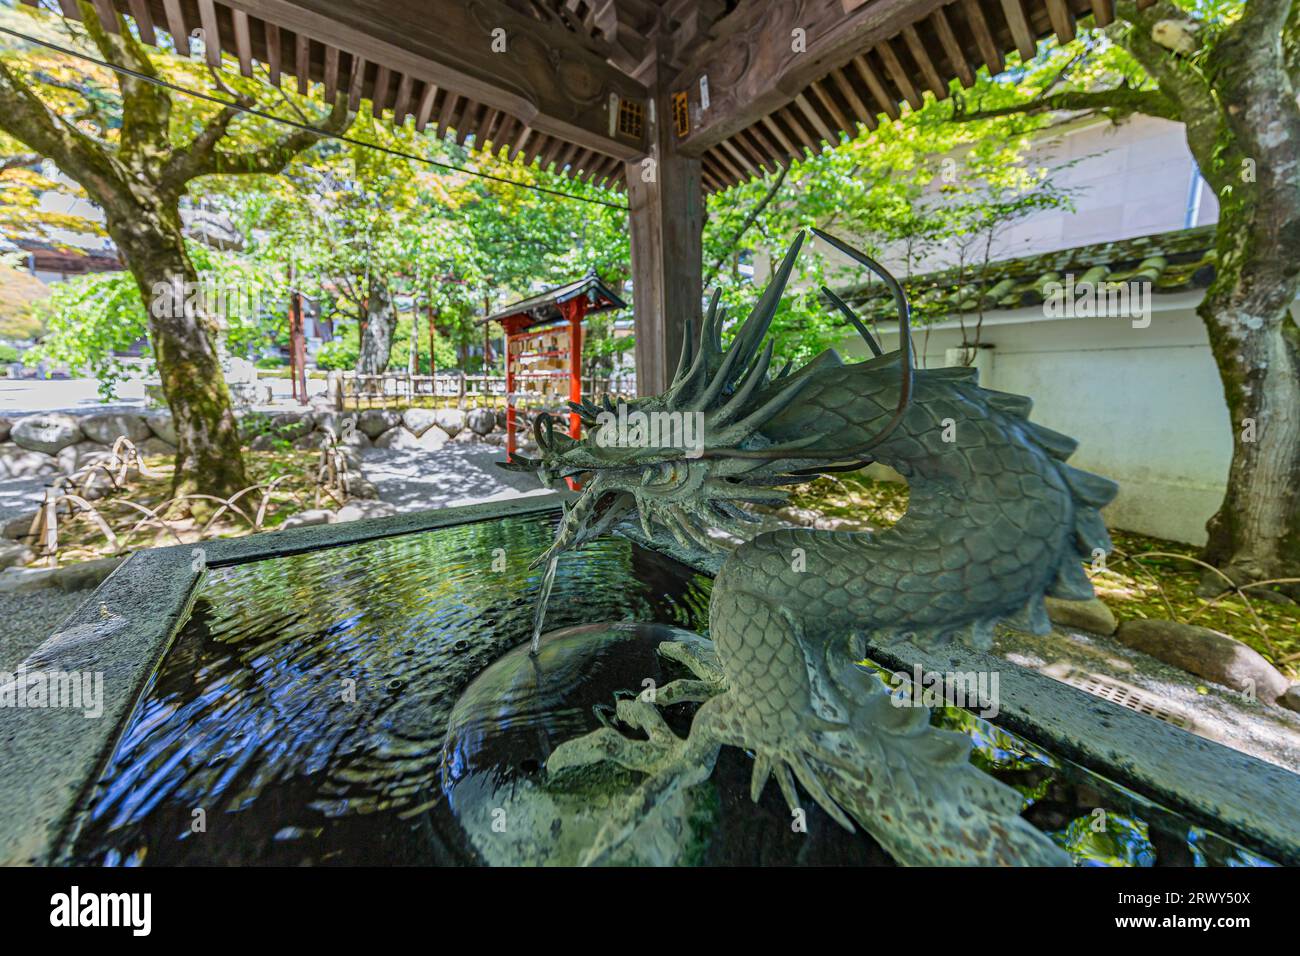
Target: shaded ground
455,475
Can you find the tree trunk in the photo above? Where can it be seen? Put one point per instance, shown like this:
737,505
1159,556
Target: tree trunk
377,333
208,457
1247,310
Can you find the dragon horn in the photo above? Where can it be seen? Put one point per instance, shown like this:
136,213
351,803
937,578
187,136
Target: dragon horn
857,323
537,430
904,338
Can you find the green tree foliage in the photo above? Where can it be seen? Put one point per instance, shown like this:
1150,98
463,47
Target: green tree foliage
918,184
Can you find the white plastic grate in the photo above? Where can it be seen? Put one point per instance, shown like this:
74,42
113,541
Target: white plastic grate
1126,695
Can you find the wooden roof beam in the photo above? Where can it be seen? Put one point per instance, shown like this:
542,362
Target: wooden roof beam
753,45
455,51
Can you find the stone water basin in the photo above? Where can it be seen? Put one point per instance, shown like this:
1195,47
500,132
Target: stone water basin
374,703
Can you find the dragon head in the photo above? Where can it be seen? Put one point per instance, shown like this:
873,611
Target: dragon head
692,457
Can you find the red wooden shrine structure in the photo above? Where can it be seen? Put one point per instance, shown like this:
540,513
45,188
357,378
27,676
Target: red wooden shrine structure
544,345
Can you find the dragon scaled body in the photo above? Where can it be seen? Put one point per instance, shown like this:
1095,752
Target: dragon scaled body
996,520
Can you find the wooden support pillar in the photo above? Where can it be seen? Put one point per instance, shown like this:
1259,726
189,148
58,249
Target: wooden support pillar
667,219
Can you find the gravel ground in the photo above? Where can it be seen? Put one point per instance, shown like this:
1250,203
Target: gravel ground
27,619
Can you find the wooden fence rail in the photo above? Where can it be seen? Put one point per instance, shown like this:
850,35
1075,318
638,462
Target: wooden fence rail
402,390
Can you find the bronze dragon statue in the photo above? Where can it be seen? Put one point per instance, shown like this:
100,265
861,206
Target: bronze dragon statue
996,520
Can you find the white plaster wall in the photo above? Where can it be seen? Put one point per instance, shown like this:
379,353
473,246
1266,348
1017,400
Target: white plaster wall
1145,405
1133,179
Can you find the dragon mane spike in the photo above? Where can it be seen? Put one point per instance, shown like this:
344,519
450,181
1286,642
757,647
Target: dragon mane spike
684,386
751,334
684,360
755,377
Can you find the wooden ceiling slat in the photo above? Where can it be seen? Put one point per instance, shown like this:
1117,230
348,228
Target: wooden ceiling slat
790,149
272,37
983,36
551,152
504,133
856,104
449,107
211,35
1014,11
522,138
562,155
883,100
922,57
108,15
758,147
532,145
243,45
748,164
816,120
582,164
894,67
379,92
593,164
356,77
611,169
1062,20
144,21
1103,12
461,125
763,142
483,132
732,172
828,103
792,123
70,10
425,109
176,26
712,173
302,63
952,49
331,73
402,103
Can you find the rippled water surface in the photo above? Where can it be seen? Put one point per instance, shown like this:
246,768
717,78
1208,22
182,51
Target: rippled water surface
303,704
300,715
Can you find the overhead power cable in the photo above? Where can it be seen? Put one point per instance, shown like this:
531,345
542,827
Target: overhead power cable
305,127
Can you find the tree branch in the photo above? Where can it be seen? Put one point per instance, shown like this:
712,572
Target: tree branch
1116,104
25,117
146,107
203,159
745,225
